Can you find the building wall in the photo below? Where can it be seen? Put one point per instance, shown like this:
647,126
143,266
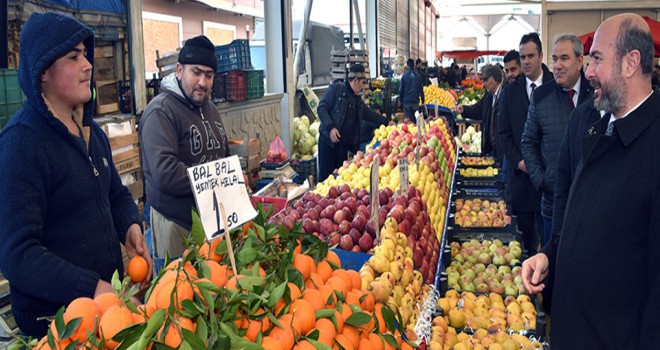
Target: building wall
166,36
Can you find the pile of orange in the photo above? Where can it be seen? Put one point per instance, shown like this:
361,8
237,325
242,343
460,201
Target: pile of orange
325,288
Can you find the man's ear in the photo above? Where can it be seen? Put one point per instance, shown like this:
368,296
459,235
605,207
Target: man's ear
179,70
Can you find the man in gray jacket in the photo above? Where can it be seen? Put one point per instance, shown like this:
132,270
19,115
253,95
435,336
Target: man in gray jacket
180,128
547,118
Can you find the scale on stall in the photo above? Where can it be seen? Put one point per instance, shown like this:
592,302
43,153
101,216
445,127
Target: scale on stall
9,327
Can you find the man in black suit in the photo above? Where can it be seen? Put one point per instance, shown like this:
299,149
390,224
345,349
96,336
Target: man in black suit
514,104
612,207
547,119
486,110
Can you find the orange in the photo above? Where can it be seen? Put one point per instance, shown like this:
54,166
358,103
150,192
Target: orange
365,344
352,334
218,273
303,263
352,297
340,321
406,346
324,270
90,313
298,248
246,227
207,250
137,269
314,281
356,280
337,284
270,343
187,267
113,321
327,331
304,345
286,336
255,326
173,335
232,282
345,312
182,290
326,294
341,273
106,300
377,342
294,291
378,314
315,298
369,326
344,342
59,343
333,258
304,313
368,301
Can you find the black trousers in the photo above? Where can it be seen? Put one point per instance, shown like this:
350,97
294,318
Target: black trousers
527,224
330,158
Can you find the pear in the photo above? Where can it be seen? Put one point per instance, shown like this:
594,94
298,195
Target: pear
456,319
381,291
379,263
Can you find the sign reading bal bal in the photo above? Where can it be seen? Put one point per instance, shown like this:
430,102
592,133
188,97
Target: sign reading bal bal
219,187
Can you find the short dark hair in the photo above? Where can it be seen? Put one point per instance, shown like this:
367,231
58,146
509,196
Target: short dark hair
493,71
419,60
410,63
512,55
533,37
356,71
632,37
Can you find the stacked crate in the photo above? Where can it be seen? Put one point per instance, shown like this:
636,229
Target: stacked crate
123,139
249,154
11,95
343,59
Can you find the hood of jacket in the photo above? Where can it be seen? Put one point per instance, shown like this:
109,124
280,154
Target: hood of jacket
45,38
172,85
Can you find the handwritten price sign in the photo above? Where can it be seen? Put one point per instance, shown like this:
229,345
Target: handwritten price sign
218,184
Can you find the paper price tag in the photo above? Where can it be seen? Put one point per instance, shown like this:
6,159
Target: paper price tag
373,189
220,183
404,182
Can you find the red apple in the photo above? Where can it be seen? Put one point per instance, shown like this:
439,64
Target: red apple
346,242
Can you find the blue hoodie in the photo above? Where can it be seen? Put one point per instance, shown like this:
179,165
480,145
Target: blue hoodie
64,209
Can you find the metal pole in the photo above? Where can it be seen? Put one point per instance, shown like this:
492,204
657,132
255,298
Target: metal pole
302,36
362,40
350,23
4,31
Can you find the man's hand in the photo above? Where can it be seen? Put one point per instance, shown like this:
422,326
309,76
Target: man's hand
334,135
534,272
103,287
522,167
458,109
135,245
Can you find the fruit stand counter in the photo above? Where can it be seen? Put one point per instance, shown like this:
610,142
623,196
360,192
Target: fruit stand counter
258,118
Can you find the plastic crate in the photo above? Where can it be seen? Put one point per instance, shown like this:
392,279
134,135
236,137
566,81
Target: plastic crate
235,85
235,55
351,260
304,168
11,95
255,84
219,91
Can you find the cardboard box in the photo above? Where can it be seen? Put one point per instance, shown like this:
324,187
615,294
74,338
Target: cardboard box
244,148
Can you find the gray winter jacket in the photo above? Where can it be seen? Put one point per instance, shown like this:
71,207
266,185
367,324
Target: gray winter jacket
175,135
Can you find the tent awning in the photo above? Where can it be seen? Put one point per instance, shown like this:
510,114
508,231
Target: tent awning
467,54
588,39
229,6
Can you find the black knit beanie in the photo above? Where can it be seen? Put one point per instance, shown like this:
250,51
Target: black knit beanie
199,50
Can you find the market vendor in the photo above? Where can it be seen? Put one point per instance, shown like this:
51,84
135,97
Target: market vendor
180,128
411,91
64,209
342,111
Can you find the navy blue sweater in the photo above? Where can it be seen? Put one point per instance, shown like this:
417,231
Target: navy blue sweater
64,209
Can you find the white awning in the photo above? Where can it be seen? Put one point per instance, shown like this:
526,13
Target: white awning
231,6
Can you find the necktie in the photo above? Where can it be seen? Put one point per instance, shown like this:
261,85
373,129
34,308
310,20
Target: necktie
610,128
533,86
571,93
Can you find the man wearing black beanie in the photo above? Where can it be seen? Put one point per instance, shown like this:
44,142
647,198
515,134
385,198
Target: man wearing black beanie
180,128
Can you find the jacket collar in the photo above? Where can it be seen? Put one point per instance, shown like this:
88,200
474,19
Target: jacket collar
630,127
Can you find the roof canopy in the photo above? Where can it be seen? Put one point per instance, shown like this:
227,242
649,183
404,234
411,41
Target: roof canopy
588,39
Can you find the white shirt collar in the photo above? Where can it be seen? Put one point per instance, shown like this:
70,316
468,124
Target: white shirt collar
538,83
632,109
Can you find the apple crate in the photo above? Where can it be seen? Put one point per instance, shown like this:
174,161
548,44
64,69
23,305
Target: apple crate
479,162
504,237
489,182
477,191
278,204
